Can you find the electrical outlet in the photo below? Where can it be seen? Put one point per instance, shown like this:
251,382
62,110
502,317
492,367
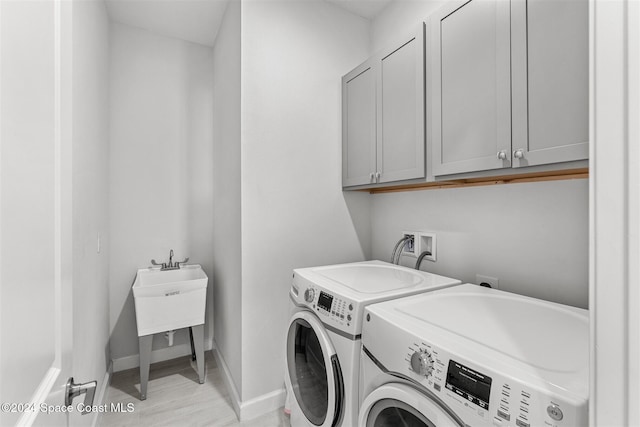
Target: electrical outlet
426,242
493,281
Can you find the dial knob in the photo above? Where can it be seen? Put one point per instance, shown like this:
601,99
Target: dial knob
422,363
309,295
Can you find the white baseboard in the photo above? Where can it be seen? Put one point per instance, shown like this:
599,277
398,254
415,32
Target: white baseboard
262,404
252,408
102,394
160,355
228,381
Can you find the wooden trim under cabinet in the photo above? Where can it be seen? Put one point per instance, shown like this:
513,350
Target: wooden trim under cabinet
558,175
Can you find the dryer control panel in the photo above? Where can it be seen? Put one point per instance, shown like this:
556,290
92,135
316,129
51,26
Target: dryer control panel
332,309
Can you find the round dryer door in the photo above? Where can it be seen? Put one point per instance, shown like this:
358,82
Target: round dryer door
400,405
314,371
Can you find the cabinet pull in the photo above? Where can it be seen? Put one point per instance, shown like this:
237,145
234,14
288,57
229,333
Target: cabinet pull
378,174
371,175
518,154
502,155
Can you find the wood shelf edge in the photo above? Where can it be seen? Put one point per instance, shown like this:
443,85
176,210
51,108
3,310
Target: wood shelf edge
581,173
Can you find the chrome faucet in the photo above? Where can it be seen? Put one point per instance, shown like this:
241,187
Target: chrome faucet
170,265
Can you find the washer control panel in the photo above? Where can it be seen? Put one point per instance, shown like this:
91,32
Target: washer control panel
483,396
425,361
422,362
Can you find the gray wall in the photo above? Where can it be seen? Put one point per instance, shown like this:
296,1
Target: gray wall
227,277
532,237
294,213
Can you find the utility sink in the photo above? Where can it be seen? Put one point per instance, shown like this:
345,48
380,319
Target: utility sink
169,299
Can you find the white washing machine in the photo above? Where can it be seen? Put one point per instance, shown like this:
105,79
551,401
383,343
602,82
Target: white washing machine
473,356
323,339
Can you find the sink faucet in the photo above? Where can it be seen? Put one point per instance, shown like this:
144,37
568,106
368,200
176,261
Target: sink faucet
170,265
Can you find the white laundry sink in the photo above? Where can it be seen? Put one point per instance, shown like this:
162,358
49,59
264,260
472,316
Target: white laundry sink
170,299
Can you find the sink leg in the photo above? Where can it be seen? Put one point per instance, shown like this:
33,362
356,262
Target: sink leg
193,349
145,360
198,342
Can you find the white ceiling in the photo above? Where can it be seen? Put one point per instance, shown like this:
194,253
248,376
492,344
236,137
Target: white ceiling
198,21
365,8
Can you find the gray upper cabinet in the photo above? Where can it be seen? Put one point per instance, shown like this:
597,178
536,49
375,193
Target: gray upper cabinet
359,126
550,72
400,119
509,84
471,86
383,116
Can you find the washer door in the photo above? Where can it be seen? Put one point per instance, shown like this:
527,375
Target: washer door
314,370
400,405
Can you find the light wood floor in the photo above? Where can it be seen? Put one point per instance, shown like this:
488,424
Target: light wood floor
175,398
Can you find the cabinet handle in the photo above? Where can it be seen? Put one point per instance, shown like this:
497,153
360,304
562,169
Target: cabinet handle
371,175
378,174
502,155
518,154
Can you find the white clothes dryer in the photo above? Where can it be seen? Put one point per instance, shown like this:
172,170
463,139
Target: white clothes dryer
323,335
473,356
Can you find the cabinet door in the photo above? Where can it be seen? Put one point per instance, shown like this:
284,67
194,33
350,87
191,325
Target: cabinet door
471,86
400,92
550,51
358,126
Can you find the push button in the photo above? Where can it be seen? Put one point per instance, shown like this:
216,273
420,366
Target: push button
505,415
555,412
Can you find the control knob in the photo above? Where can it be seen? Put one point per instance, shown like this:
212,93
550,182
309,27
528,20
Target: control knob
309,295
422,362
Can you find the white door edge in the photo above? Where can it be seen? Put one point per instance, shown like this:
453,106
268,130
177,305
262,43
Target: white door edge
40,397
